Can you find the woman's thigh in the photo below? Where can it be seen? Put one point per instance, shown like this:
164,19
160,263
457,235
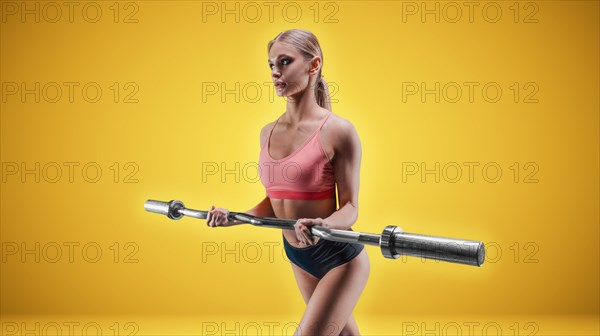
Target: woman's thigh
306,282
335,296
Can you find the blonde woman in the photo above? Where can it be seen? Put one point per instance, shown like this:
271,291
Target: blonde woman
304,154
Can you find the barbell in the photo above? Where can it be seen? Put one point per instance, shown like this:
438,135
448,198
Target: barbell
393,241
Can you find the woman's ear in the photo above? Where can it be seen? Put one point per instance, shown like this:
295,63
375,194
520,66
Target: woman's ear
315,65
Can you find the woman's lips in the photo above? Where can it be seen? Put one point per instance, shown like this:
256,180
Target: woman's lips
280,85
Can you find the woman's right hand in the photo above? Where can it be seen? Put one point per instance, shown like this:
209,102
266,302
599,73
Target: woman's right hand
217,217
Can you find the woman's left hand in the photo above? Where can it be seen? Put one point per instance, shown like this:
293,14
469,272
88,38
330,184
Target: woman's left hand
302,228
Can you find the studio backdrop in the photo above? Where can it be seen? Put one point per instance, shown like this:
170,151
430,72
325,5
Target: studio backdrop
478,120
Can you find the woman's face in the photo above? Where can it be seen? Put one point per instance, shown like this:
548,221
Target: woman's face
290,72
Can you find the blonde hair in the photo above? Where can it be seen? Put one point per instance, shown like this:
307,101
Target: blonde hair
308,45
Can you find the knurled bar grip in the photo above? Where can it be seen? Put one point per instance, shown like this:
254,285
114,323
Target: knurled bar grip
393,241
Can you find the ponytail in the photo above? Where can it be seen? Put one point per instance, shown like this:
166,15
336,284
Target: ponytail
322,93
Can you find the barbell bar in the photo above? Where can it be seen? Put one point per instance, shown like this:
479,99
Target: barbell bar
393,241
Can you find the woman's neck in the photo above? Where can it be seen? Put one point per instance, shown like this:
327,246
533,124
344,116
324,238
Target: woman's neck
301,106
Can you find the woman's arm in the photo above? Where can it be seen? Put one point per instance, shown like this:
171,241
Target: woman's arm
262,209
346,165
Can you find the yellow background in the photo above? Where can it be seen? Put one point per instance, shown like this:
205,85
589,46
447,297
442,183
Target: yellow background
542,237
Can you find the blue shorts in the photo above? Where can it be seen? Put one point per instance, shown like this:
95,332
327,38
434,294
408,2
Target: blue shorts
320,258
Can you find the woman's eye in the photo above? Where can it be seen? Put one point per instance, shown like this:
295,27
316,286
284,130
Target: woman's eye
284,61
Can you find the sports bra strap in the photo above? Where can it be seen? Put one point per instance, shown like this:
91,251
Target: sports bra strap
324,120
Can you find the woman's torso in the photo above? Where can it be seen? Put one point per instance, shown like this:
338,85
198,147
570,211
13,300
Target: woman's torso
281,144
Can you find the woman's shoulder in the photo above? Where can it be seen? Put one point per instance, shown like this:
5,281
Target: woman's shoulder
339,134
338,126
264,132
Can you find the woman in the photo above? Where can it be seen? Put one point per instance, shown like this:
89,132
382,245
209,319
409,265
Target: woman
304,153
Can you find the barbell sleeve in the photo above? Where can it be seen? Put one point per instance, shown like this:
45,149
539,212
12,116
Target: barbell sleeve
393,241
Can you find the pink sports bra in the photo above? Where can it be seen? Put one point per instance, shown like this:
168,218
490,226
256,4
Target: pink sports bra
306,174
